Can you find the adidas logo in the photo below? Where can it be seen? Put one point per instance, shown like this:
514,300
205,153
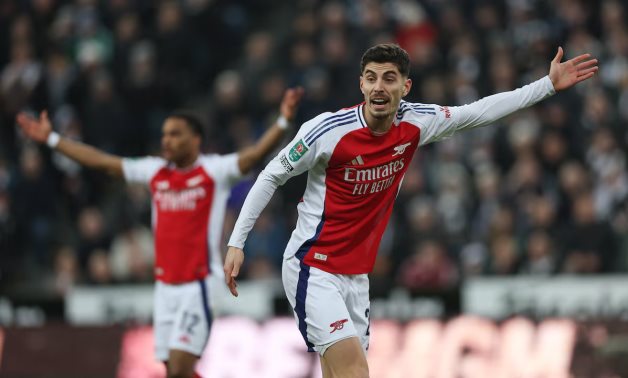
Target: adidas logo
357,161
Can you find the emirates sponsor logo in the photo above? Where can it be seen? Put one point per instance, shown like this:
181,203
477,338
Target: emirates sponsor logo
375,179
179,200
375,173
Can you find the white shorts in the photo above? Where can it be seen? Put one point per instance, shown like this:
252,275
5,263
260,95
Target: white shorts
182,317
327,307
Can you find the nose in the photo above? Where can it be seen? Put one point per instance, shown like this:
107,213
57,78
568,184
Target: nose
379,85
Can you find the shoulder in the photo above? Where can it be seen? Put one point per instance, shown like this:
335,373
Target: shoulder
142,169
218,161
146,161
224,166
323,124
415,112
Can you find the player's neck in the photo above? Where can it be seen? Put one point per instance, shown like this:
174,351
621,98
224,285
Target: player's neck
187,162
379,126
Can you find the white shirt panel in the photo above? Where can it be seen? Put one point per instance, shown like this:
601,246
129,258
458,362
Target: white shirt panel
141,170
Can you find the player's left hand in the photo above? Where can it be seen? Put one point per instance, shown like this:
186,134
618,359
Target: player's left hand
290,102
567,74
233,262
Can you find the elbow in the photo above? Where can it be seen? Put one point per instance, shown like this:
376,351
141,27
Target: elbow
246,166
249,160
113,172
271,179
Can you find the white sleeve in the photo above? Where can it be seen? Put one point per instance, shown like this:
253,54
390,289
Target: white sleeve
141,170
224,168
294,159
448,120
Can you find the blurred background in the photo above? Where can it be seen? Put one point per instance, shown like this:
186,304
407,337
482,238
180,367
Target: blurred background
523,221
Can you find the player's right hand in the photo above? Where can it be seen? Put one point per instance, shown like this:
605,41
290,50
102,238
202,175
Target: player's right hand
233,262
290,102
37,130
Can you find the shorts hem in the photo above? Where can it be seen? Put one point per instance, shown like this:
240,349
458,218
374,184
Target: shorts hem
321,349
160,356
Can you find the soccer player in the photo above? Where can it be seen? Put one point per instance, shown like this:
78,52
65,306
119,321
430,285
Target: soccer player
189,195
356,159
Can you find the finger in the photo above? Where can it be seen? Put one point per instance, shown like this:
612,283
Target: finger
236,270
588,63
288,98
559,55
585,77
43,116
21,119
24,118
25,121
587,71
227,270
580,58
233,287
299,92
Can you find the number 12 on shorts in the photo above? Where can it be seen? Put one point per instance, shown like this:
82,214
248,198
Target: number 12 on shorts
189,321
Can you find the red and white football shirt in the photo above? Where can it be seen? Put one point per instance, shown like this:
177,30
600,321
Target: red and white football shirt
354,175
188,212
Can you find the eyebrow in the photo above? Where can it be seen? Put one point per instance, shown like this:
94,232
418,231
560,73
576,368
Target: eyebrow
389,72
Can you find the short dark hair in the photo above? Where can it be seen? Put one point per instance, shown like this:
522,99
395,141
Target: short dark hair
192,120
387,53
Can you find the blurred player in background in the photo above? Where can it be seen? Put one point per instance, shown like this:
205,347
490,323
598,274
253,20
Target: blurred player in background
356,159
189,194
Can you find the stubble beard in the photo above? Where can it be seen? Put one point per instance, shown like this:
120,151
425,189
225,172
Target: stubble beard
381,115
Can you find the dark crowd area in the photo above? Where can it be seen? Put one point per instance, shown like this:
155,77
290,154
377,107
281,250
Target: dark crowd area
541,192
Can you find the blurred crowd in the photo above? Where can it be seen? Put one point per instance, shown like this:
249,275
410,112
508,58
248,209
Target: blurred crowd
542,192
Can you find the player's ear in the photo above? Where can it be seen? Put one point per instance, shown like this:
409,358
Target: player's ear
407,86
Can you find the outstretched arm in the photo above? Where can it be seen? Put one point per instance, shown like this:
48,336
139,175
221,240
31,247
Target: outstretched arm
489,109
40,131
567,74
251,156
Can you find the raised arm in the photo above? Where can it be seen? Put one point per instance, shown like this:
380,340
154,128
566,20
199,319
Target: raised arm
40,131
251,156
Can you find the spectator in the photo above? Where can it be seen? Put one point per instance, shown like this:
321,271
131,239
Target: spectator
33,195
122,66
93,235
132,255
589,243
66,270
428,268
540,257
504,256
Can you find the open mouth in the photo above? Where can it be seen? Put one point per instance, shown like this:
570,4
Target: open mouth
379,103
